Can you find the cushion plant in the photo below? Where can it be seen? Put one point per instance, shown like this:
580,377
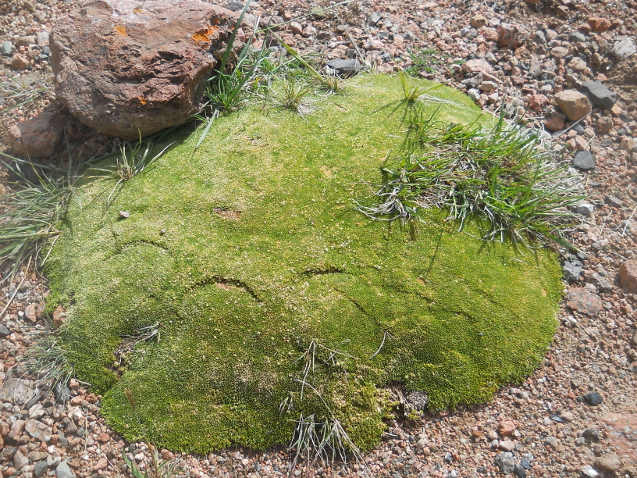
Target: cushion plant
245,291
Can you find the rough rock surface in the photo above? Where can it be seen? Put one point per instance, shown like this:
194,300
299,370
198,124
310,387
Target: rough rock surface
574,105
126,69
38,137
628,276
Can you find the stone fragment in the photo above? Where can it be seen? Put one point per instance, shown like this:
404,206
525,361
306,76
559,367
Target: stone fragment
519,471
510,36
609,462
19,62
599,94
29,312
591,435
507,445
555,123
477,65
585,209
588,471
584,301
101,464
4,332
19,460
574,105
628,276
593,399
38,430
624,48
572,271
537,102
40,468
584,160
6,48
505,461
63,470
613,201
345,68
604,125
506,428
103,437
478,21
296,28
17,391
578,64
126,71
551,442
39,137
599,24
559,51
16,430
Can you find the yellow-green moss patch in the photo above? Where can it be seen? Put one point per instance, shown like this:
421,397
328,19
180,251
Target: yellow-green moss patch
274,297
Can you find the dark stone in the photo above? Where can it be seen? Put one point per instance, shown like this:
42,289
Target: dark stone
591,435
526,464
599,94
40,468
519,471
572,271
4,332
345,67
584,160
591,398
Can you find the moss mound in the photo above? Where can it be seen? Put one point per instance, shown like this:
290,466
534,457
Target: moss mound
245,290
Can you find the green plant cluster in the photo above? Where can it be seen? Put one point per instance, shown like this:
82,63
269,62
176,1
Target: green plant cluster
501,174
246,301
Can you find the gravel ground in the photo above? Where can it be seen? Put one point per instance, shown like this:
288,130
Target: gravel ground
576,416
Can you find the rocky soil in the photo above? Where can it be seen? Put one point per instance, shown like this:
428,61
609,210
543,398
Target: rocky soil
577,415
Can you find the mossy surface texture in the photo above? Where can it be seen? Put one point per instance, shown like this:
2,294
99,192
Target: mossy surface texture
274,297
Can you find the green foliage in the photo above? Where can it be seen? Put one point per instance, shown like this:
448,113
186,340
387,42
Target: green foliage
47,361
503,175
32,210
157,468
284,312
423,60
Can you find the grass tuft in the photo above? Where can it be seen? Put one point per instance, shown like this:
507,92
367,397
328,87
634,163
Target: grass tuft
504,176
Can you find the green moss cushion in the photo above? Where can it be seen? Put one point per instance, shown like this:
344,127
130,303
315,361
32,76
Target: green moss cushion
267,295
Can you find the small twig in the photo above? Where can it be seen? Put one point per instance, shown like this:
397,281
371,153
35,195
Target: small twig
15,292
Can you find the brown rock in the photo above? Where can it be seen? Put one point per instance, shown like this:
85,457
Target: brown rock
537,102
126,70
16,430
29,312
478,21
574,105
584,301
19,62
477,65
628,276
555,123
103,437
59,315
296,28
604,125
101,464
599,24
609,462
510,36
39,137
506,428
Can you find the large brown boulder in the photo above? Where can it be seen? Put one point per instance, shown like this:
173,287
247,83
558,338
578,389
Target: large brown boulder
126,67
